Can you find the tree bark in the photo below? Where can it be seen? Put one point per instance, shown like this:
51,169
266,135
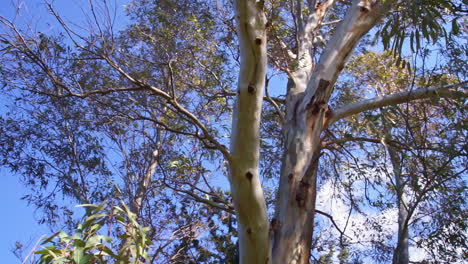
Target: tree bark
401,254
247,193
307,111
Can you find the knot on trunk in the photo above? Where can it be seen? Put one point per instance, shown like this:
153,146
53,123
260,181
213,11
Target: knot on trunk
274,225
249,176
302,193
365,6
251,89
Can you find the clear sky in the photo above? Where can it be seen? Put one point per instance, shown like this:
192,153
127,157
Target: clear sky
17,221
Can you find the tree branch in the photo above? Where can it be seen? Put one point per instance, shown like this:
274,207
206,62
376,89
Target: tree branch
399,98
331,219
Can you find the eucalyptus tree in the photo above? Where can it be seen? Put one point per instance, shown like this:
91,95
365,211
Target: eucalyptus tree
409,161
160,94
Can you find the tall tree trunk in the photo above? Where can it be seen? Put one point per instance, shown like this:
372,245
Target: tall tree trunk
307,113
292,225
136,202
400,254
244,180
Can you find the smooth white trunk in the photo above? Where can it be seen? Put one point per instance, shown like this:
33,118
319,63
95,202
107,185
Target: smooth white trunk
401,253
247,193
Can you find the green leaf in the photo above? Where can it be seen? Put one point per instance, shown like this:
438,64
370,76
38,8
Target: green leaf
75,236
94,216
86,259
79,243
78,255
97,240
87,205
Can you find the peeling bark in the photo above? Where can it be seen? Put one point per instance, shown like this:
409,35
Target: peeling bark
308,99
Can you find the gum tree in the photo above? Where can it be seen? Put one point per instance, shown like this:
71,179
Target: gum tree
167,79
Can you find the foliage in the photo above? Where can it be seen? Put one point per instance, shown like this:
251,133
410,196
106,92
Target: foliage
431,153
88,245
149,105
419,21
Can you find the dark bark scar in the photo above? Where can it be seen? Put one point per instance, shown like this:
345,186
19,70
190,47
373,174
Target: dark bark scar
302,192
296,106
249,176
365,6
251,89
274,225
328,116
322,86
317,102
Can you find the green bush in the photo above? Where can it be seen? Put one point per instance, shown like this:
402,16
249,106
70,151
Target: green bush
88,245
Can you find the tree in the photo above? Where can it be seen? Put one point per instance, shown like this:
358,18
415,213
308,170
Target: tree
158,95
403,160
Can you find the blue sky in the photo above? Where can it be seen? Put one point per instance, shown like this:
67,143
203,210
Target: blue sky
18,221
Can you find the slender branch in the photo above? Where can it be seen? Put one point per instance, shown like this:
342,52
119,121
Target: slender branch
199,199
327,144
331,22
285,47
170,99
174,103
399,98
332,220
273,103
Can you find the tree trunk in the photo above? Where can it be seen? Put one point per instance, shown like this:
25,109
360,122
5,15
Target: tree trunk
292,225
247,193
401,254
306,115
136,202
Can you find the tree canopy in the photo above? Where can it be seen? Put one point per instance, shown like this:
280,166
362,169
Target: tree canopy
243,131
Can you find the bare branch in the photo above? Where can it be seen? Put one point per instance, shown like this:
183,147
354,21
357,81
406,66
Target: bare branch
399,98
332,220
332,22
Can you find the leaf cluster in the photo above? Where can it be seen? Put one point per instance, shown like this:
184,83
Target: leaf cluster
88,245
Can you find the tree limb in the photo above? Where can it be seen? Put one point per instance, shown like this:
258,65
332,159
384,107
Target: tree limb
399,98
331,219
